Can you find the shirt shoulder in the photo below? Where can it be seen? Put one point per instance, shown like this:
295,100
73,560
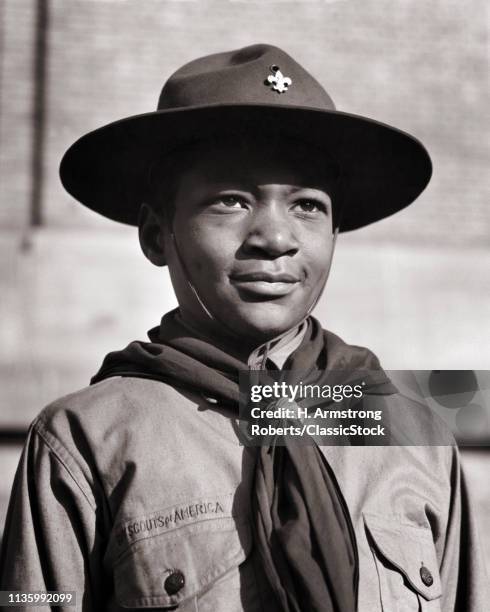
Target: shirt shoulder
406,412
95,419
104,401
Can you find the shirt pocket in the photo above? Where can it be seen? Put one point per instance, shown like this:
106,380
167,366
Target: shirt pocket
194,568
406,563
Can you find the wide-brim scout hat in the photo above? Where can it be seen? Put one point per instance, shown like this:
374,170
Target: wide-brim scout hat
258,88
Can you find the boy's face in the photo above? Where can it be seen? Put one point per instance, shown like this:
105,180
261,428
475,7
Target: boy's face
252,231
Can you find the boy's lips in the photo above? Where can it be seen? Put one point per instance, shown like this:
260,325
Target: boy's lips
267,284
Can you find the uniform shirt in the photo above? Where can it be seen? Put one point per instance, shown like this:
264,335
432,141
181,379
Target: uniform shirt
130,486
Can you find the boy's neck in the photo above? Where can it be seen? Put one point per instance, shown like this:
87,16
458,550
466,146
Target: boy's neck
276,349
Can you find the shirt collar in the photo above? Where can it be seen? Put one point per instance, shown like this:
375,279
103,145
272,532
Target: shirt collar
278,349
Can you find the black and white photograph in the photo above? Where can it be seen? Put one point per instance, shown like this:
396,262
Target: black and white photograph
245,322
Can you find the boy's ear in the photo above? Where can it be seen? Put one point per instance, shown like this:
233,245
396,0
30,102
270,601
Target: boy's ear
151,231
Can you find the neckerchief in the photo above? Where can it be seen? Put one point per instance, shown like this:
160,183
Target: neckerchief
302,529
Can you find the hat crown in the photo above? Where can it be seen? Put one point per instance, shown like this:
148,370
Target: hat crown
240,77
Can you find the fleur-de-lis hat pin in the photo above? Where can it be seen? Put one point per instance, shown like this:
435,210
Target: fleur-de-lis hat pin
277,80
381,168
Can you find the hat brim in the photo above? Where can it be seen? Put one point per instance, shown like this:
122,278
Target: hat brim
382,168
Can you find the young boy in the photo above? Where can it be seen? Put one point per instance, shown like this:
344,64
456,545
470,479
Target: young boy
136,492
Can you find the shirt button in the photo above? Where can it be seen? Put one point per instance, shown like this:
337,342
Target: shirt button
174,582
426,576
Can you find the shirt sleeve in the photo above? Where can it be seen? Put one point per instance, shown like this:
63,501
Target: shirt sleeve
463,571
53,538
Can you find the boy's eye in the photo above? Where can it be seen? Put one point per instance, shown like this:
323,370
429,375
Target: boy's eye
229,201
309,206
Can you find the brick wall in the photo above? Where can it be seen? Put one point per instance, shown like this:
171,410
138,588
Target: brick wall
16,91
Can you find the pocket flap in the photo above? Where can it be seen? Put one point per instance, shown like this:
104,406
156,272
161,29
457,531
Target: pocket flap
410,549
196,554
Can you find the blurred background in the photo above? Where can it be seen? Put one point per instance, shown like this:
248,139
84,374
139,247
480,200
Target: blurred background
73,286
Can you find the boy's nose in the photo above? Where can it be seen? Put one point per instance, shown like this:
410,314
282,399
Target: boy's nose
271,232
